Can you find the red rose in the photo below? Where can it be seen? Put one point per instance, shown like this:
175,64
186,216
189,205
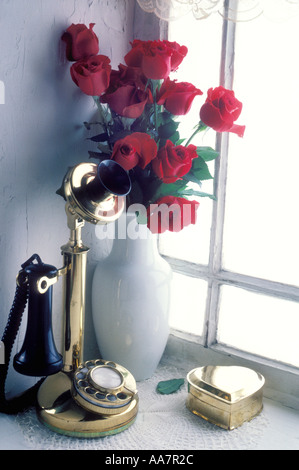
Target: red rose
127,101
81,42
128,75
126,94
92,75
155,58
173,162
178,53
176,97
220,111
171,213
134,149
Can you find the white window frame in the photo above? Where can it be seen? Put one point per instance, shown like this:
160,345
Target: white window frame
282,380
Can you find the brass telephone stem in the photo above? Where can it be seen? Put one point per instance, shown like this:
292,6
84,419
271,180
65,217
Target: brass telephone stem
60,406
74,285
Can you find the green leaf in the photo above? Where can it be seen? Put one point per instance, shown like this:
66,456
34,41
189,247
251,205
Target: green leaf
166,387
167,130
165,117
207,153
104,148
190,177
99,155
119,135
200,169
175,137
192,192
100,137
171,189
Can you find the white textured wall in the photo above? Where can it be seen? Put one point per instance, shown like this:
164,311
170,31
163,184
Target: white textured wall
41,132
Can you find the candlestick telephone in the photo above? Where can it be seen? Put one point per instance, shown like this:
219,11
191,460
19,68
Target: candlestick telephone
74,397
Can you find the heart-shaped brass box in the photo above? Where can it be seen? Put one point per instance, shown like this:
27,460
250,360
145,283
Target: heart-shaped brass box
225,395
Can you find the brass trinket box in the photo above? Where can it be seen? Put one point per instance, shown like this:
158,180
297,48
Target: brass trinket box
225,395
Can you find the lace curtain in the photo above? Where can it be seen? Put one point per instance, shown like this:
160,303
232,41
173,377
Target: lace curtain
237,10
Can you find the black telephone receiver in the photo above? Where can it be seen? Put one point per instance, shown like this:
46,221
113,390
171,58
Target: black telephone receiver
94,398
38,356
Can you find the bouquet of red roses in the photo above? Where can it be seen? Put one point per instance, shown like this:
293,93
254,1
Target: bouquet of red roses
138,122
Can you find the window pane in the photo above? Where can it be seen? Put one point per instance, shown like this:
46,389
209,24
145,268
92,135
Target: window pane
187,308
201,68
192,243
261,229
259,324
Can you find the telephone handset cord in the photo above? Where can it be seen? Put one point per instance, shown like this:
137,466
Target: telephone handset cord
27,399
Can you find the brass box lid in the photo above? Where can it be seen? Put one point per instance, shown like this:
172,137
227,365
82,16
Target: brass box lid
225,395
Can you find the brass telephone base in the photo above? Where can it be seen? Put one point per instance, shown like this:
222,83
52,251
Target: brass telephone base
59,411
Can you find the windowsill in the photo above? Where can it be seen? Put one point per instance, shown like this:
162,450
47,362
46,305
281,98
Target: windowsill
163,421
281,384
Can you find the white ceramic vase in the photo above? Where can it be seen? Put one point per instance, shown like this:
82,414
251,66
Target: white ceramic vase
130,300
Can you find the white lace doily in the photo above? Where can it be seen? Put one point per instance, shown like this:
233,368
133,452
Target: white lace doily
163,423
